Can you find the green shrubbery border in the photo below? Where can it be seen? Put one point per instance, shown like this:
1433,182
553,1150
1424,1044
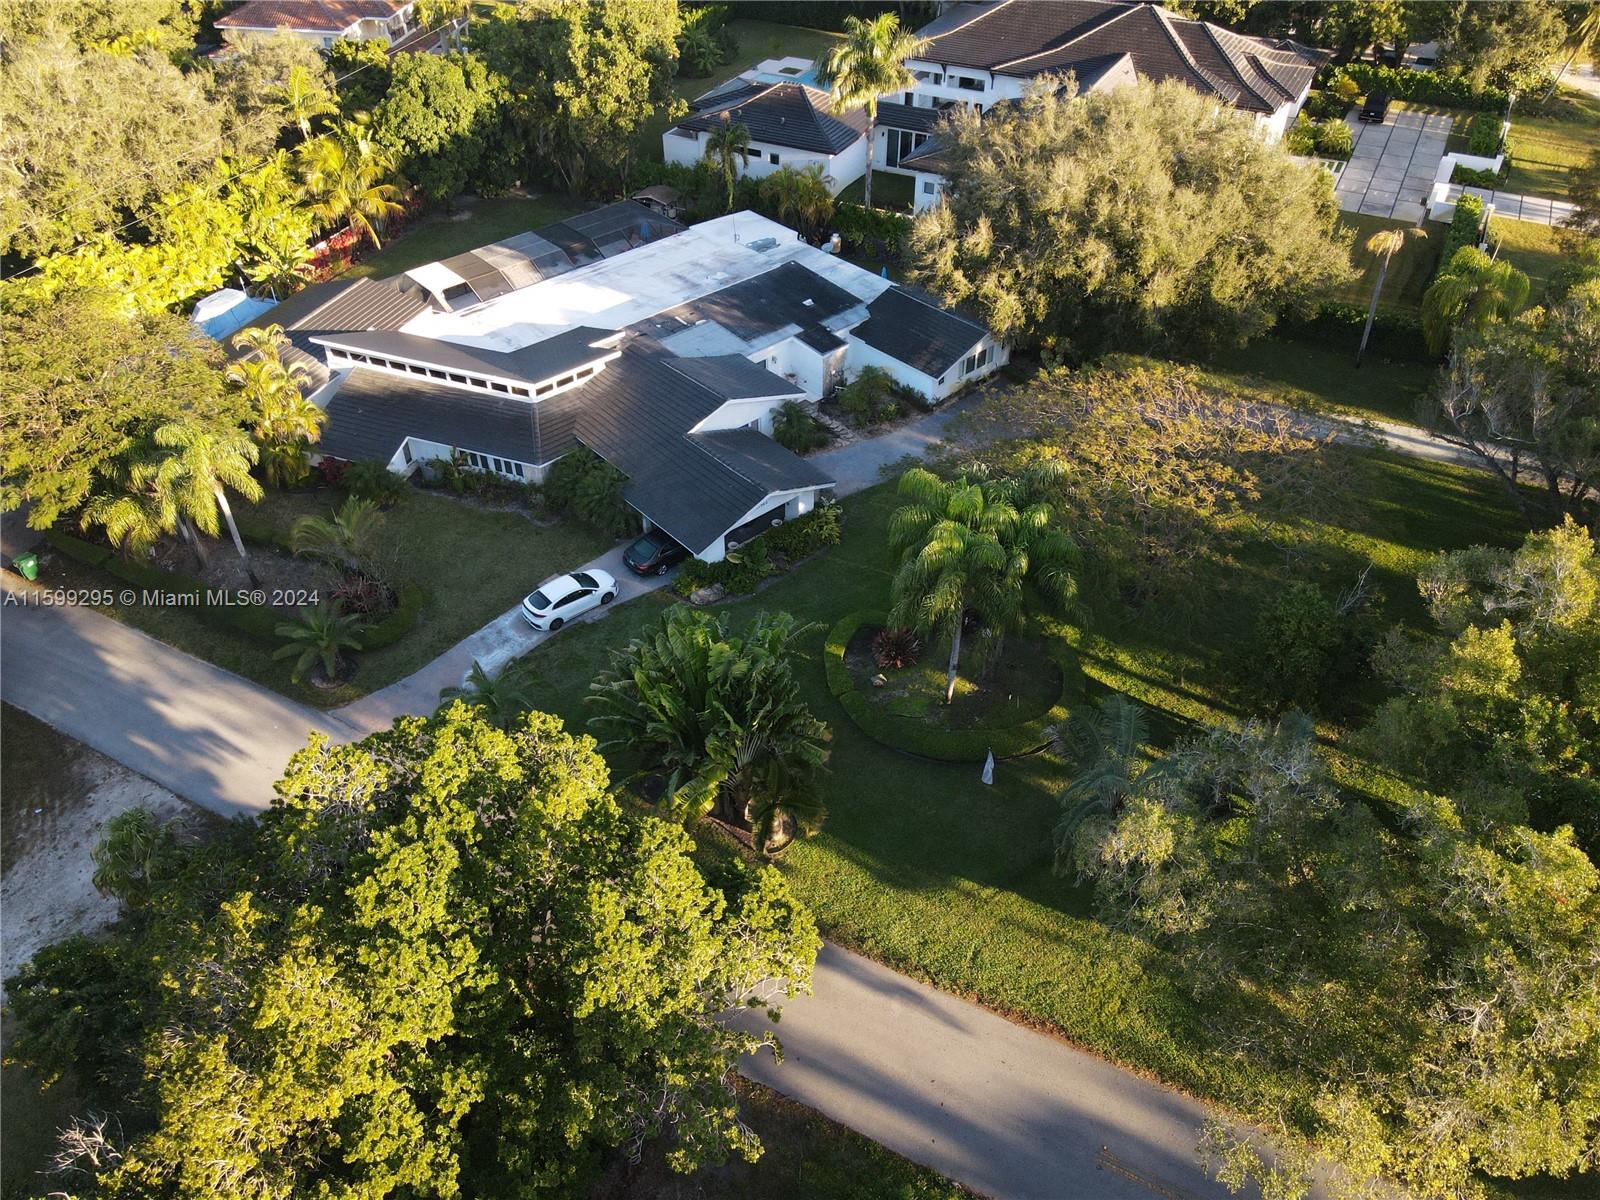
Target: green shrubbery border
914,736
398,623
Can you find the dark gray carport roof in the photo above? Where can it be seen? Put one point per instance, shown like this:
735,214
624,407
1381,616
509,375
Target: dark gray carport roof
373,413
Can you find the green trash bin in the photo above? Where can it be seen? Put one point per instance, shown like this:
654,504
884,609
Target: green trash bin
27,566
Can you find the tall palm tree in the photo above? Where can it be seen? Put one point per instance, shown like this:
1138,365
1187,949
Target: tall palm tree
1105,746
198,466
727,147
302,99
869,62
284,421
1473,290
1384,244
345,175
501,698
798,198
970,546
347,540
321,635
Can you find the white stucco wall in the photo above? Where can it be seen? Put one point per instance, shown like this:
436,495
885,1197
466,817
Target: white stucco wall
842,169
932,389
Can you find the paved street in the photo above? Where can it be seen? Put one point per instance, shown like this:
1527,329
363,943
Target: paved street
1391,169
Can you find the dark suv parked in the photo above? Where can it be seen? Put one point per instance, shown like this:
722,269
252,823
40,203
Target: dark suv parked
1377,105
653,554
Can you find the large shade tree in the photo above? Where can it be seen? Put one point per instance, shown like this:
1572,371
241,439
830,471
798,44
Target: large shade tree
446,962
436,118
867,63
974,549
1146,216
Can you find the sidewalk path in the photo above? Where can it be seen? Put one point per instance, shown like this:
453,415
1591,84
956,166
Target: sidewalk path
1541,210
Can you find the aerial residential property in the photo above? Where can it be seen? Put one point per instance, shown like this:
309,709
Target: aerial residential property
626,599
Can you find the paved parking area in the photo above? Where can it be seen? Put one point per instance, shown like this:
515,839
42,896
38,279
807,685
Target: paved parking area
1391,169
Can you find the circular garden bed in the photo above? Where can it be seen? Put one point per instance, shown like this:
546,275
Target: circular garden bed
1012,708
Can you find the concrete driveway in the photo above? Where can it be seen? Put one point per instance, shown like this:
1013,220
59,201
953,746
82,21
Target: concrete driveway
1391,169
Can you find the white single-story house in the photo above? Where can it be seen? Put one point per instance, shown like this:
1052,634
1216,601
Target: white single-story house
982,54
665,350
791,122
324,22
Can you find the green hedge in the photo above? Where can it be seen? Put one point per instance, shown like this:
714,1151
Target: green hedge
87,553
1483,135
1475,178
1426,87
1396,333
1466,227
398,623
914,736
256,620
755,560
871,231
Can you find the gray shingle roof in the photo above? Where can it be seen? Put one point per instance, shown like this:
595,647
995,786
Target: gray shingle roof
780,114
340,306
915,330
733,377
767,303
908,116
1031,37
758,458
373,413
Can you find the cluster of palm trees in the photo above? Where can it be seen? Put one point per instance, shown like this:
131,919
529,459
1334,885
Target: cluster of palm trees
283,421
349,541
720,717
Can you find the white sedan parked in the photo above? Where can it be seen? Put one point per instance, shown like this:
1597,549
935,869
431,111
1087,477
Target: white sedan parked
561,599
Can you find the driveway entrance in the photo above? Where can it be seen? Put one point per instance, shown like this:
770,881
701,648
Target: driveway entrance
1391,169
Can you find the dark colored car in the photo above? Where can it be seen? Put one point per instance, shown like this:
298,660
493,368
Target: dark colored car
1376,107
653,554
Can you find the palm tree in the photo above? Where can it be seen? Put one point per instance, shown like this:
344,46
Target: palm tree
319,636
868,63
1473,290
344,172
134,854
284,420
133,517
198,467
798,198
727,148
1384,243
302,99
1580,39
501,698
970,547
347,540
1105,746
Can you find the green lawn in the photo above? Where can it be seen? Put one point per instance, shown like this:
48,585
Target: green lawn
888,191
475,564
1409,271
1532,248
486,221
1548,141
757,41
924,868
1321,377
805,1157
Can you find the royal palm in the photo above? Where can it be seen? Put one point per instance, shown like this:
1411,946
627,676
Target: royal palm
870,62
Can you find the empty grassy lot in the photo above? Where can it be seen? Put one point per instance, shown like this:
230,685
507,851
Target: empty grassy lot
1533,249
1410,270
443,234
1323,377
927,870
1549,140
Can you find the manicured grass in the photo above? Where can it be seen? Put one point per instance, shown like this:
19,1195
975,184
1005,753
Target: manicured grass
1532,248
805,1157
475,564
757,41
888,191
1548,141
1323,377
1409,271
485,221
924,868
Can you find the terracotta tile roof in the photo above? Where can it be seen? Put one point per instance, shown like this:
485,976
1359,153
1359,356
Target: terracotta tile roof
311,16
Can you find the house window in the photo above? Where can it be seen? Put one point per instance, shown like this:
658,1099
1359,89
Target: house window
500,387
976,362
585,373
432,374
405,451
772,157
545,390
416,370
564,380
360,358
927,187
968,85
454,378
516,391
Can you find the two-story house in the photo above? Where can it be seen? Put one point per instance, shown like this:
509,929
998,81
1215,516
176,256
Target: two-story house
324,22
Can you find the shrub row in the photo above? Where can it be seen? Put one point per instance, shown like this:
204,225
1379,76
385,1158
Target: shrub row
1396,333
1475,178
1466,228
1328,138
870,231
759,558
398,623
1426,87
1483,134
915,736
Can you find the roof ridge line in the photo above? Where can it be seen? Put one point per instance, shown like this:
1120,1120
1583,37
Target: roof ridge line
1123,10
1211,33
987,12
1165,19
926,303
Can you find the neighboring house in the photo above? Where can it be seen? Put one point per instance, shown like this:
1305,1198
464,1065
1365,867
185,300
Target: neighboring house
980,55
665,350
326,21
791,121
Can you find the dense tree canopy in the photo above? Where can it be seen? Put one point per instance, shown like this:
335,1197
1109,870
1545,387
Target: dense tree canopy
435,118
1146,216
446,963
584,77
251,83
84,385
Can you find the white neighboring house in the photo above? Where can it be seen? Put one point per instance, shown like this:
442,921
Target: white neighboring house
791,121
664,350
324,22
980,55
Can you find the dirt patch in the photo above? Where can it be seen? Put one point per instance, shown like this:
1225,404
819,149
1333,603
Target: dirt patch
275,571
56,796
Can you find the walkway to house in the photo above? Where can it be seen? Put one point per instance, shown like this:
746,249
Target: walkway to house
1391,169
1539,209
